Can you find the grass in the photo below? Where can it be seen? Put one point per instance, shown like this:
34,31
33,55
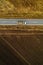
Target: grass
21,9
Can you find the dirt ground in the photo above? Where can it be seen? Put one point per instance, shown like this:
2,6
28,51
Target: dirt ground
20,45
